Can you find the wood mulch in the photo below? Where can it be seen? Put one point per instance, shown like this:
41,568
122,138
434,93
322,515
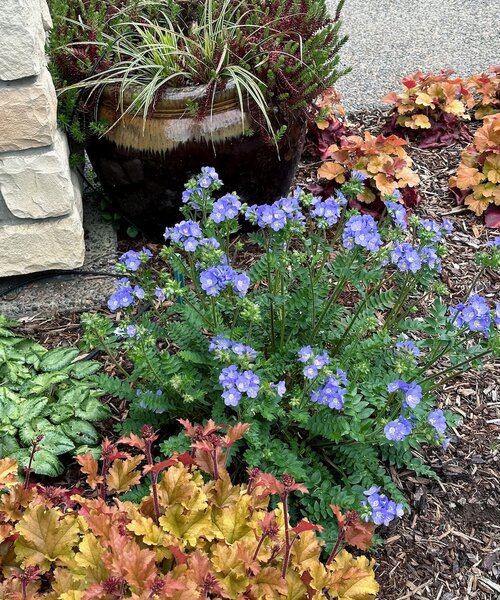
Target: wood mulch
448,548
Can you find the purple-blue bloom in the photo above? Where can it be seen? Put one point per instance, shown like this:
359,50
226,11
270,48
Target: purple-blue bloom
279,387
131,260
332,391
235,383
412,392
227,207
437,419
221,344
497,314
305,354
160,294
475,315
122,298
383,510
328,211
361,230
406,257
435,228
310,371
215,279
429,257
208,176
494,243
409,346
231,396
358,176
187,233
397,213
397,431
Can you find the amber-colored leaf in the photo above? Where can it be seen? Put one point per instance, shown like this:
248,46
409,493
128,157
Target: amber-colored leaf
491,168
233,521
189,526
123,474
139,565
150,533
46,537
296,589
133,440
421,121
455,107
477,205
235,433
306,550
407,177
468,177
179,486
332,170
352,578
90,467
230,568
89,559
8,472
305,525
268,583
385,185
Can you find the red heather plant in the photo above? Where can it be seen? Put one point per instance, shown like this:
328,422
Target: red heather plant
382,160
327,124
195,536
485,89
430,110
478,175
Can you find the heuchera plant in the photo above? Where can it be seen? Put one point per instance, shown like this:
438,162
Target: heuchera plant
478,175
431,109
383,164
330,338
485,89
327,124
194,535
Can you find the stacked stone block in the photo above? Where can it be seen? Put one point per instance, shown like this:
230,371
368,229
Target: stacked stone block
40,198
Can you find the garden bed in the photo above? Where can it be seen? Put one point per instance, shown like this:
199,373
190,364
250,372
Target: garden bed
445,549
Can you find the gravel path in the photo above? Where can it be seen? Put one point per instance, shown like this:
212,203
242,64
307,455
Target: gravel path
392,38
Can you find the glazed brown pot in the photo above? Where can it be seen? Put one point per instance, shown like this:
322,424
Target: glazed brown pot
144,164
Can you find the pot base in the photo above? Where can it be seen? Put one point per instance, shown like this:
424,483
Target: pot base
146,187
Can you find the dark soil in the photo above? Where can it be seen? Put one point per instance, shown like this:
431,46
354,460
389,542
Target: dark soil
448,548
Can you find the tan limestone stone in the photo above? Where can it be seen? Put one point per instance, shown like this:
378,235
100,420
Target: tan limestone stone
22,38
28,113
30,246
36,184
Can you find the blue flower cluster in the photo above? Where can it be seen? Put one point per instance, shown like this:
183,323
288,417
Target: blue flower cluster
397,213
436,229
314,363
361,230
133,260
187,233
221,344
276,215
494,243
328,211
408,258
332,391
437,419
409,346
397,431
383,510
475,315
236,383
225,208
208,176
358,176
215,279
412,392
125,295
129,331
279,388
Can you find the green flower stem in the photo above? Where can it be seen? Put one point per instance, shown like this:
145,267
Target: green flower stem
451,369
157,377
111,355
269,287
313,298
214,313
394,312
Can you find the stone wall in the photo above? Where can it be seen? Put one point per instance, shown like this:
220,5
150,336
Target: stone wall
40,198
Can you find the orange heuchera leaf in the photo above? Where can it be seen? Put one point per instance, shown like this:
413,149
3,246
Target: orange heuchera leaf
306,550
8,472
492,167
90,467
356,532
352,578
332,170
46,537
123,474
179,486
231,569
468,177
384,184
133,440
268,583
137,564
235,433
407,177
305,525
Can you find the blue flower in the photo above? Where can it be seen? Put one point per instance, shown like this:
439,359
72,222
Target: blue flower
131,260
382,510
494,243
122,298
475,315
241,283
332,391
497,314
191,195
138,292
447,226
406,257
279,387
429,257
320,360
220,344
231,396
358,176
437,419
249,383
412,392
227,207
328,211
160,294
399,430
208,177
229,376
361,230
305,354
215,279
436,229
397,213
310,371
132,331
409,346
186,233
